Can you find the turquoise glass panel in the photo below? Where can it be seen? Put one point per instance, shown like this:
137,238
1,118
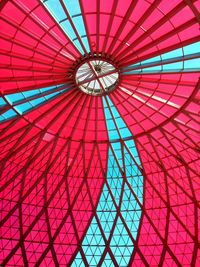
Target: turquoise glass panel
55,8
26,95
119,207
115,125
2,102
188,59
32,104
9,114
21,103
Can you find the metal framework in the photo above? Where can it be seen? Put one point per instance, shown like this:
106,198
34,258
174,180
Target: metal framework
107,175
96,76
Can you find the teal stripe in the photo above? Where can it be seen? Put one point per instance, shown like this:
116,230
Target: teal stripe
2,102
188,59
74,10
30,105
112,124
9,114
41,96
55,8
117,187
27,95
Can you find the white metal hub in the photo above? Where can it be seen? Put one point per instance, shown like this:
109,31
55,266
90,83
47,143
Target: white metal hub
96,77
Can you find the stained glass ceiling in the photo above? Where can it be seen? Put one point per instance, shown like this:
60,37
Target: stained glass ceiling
99,133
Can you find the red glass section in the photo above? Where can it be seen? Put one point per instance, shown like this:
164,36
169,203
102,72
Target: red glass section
53,159
49,190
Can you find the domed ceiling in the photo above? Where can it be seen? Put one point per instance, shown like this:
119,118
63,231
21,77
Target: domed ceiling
99,133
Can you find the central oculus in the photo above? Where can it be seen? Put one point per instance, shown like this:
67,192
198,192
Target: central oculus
96,77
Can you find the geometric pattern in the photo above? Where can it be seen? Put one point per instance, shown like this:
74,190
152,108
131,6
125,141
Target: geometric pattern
118,212
21,103
109,179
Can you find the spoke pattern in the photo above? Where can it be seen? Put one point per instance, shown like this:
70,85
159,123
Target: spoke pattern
68,15
21,103
99,133
97,77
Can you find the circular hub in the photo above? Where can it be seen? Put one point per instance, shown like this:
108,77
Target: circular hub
96,77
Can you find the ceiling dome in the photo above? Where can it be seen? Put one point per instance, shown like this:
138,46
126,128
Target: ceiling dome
99,133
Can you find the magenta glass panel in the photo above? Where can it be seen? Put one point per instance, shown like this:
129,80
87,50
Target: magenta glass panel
54,131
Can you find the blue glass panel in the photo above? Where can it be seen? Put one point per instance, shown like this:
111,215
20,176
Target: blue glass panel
14,98
124,185
78,262
173,66
41,96
107,261
192,64
56,9
110,113
192,48
2,102
172,54
32,104
73,7
9,114
93,244
121,244
163,61
74,10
